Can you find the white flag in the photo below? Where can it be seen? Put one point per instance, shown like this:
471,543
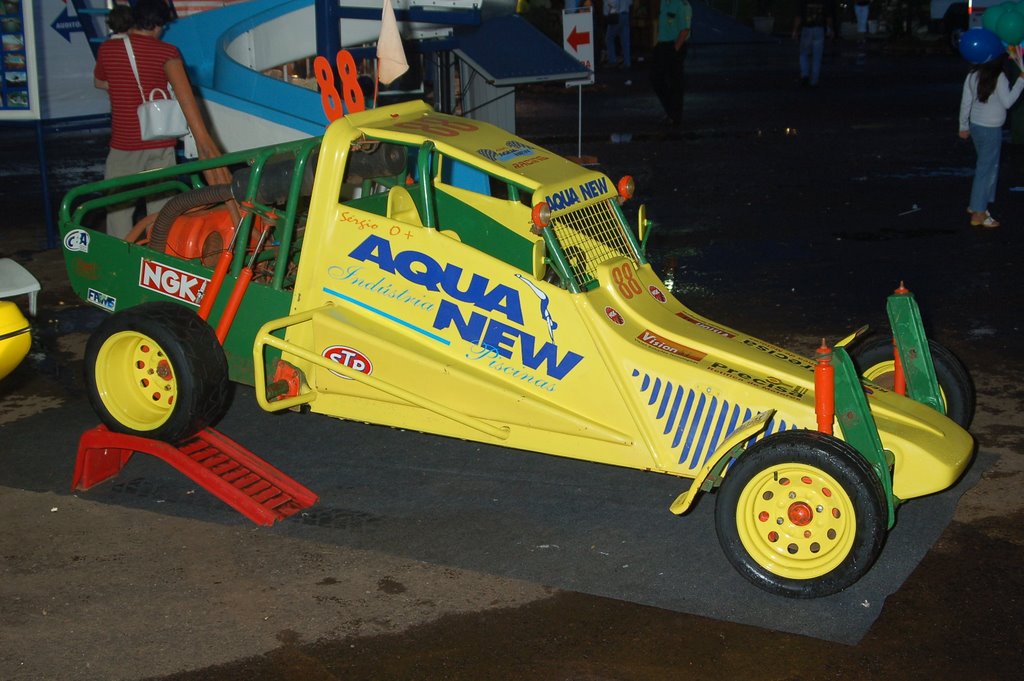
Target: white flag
391,61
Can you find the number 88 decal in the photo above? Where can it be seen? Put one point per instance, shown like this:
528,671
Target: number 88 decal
626,281
351,93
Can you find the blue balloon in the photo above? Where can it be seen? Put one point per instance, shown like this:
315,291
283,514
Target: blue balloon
980,45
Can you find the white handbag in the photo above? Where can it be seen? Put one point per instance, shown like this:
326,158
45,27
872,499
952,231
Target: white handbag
159,118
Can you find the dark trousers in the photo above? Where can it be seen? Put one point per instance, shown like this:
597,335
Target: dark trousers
667,78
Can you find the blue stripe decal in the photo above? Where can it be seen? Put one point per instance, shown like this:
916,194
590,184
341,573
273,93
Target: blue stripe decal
712,413
717,435
735,418
674,411
683,418
655,392
391,317
701,423
692,431
664,400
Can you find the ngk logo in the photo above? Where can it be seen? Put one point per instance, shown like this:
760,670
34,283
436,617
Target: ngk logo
172,282
349,357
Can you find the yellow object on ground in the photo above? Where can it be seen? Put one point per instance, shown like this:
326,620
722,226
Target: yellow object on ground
15,339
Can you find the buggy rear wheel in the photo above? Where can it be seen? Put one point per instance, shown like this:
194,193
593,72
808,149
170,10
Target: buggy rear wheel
156,370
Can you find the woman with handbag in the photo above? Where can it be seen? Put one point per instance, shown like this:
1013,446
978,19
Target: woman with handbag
130,67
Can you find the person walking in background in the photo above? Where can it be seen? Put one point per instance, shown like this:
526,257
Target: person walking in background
987,94
616,16
861,9
158,63
667,67
814,21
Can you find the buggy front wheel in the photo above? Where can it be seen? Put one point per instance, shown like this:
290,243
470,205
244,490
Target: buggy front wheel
801,514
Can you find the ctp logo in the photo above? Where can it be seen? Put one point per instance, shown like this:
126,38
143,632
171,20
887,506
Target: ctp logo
349,357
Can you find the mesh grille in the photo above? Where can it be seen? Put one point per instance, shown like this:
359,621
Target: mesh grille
589,236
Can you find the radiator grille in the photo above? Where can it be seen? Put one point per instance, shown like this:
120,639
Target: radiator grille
591,235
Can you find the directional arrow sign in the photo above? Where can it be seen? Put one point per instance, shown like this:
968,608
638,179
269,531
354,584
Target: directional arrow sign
66,24
576,38
577,29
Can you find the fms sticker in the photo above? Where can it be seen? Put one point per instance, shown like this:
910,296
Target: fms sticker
101,299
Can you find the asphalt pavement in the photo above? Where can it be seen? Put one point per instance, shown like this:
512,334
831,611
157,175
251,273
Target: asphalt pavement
788,212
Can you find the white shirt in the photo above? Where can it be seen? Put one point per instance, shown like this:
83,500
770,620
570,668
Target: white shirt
616,6
991,114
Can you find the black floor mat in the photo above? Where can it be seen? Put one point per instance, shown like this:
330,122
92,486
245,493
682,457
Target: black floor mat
572,525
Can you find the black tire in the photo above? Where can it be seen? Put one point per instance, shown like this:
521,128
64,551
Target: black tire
156,370
821,535
873,358
955,25
954,34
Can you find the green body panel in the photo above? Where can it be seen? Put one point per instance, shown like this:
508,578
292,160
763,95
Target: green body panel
375,203
261,304
487,235
109,272
915,354
857,424
108,275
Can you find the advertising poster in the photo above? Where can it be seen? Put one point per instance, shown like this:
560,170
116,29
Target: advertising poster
19,94
65,61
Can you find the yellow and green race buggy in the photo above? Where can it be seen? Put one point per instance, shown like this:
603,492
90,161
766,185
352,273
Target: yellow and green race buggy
436,273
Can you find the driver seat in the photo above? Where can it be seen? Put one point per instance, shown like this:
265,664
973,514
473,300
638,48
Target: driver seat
401,206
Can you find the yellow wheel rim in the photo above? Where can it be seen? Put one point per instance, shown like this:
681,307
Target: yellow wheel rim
796,521
884,374
135,381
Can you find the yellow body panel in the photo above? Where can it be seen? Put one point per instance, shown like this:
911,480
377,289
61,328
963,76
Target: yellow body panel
622,373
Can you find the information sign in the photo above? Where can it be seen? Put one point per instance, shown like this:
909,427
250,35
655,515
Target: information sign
578,40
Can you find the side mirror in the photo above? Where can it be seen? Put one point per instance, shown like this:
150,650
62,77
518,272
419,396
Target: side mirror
644,227
539,259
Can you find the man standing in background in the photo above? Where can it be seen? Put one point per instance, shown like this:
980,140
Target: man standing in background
861,9
667,68
616,14
815,20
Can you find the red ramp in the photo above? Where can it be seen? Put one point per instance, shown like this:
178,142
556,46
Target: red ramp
220,465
